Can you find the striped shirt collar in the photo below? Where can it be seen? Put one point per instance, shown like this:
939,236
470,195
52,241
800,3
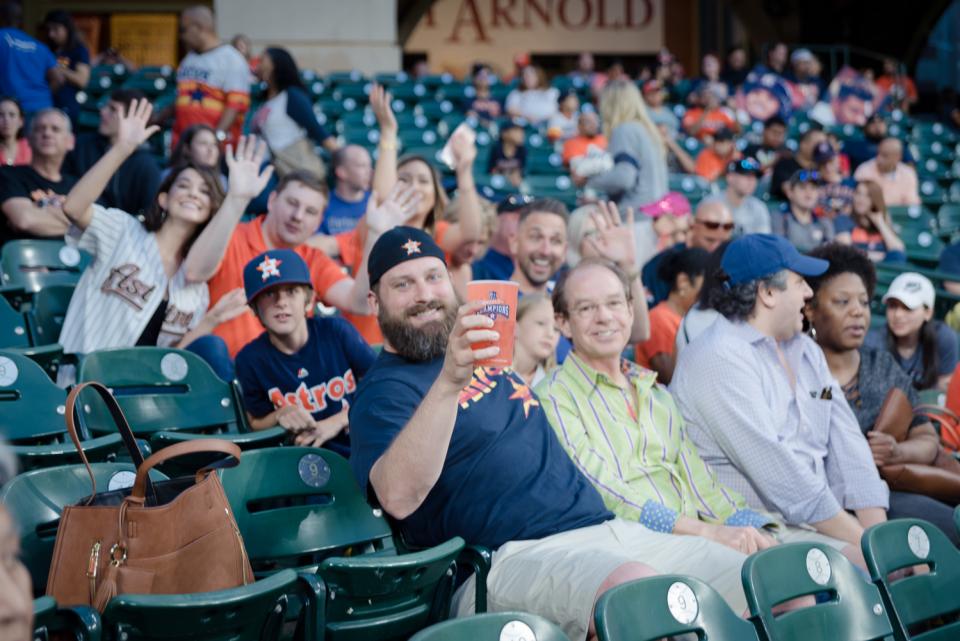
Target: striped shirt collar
590,379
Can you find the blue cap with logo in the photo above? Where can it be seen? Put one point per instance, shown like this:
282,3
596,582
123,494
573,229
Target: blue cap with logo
759,255
274,267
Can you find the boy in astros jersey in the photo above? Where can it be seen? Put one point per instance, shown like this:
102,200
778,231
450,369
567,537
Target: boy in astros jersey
302,372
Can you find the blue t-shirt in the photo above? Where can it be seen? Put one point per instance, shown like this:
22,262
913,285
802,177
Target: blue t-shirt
505,477
947,351
24,62
342,216
318,378
493,266
66,96
950,259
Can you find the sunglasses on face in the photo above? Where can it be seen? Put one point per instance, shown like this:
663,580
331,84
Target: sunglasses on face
712,226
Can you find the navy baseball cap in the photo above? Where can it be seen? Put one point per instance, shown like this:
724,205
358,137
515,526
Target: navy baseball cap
759,255
272,268
399,245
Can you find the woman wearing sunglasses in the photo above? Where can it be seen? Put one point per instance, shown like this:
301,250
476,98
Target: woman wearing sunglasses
797,220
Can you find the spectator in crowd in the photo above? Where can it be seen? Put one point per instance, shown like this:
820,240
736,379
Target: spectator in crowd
806,77
198,145
839,316
286,120
442,461
712,224
788,165
72,72
14,146
796,220
27,66
897,90
241,42
535,342
843,161
660,112
736,70
213,80
588,133
539,246
16,601
705,120
926,349
563,125
873,231
416,173
302,372
897,179
586,69
771,146
713,159
462,258
352,173
836,191
710,79
484,107
508,158
762,407
665,223
31,196
701,315
777,58
860,150
133,187
137,290
580,229
669,489
639,174
750,214
497,263
534,100
683,269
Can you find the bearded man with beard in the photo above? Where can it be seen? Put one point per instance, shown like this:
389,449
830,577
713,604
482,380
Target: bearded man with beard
449,449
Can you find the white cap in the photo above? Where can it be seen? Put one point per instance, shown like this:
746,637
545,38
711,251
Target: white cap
911,289
802,55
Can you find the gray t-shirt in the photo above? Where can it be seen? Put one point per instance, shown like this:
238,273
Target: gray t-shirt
878,374
804,236
751,217
913,365
639,174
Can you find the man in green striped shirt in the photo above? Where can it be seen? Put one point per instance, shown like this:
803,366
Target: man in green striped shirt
624,431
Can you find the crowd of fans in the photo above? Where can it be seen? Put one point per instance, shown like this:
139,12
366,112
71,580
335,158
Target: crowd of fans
577,465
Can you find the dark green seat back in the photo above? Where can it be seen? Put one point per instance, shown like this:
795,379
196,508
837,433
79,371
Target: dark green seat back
32,418
671,605
493,627
922,599
34,264
36,499
13,326
47,313
254,612
52,622
159,389
854,610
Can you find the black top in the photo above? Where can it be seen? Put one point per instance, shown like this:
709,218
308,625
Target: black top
24,182
132,188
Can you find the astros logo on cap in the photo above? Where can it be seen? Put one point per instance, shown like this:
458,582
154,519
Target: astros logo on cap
412,247
268,267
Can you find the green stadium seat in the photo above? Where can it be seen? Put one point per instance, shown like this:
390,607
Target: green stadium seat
692,186
331,108
388,79
956,518
931,193
32,419
37,498
437,80
929,601
345,77
434,110
502,626
410,92
255,612
916,216
419,138
931,168
924,132
310,495
46,314
34,264
13,327
409,120
79,623
948,219
149,83
937,150
923,246
364,119
544,161
359,91
853,610
672,605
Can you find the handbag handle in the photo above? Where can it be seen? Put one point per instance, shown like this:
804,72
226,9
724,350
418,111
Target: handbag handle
181,449
118,418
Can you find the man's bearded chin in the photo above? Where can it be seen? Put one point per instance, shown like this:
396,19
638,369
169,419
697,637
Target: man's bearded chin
423,343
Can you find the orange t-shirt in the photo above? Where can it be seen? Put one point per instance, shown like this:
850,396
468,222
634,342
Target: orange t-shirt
713,122
245,244
577,146
664,325
351,254
710,165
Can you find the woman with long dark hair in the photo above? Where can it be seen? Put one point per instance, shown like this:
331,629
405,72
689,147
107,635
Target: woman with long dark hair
286,120
135,292
925,348
72,72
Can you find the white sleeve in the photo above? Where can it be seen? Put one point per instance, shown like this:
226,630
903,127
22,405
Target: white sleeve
106,230
236,73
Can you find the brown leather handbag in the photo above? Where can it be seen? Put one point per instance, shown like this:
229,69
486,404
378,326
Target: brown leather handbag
169,537
939,479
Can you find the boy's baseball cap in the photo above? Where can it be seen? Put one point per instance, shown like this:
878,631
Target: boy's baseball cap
758,255
274,267
912,289
745,166
399,245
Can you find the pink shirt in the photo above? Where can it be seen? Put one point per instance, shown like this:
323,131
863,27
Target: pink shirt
899,188
22,157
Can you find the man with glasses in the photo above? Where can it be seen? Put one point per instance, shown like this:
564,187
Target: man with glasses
796,220
750,215
712,225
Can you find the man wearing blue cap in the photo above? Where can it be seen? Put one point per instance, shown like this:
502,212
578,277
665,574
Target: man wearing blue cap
452,449
301,373
762,407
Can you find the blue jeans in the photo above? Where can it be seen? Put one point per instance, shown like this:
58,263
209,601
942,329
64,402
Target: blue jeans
213,349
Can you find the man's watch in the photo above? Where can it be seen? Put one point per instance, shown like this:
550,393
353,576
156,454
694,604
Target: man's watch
221,135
